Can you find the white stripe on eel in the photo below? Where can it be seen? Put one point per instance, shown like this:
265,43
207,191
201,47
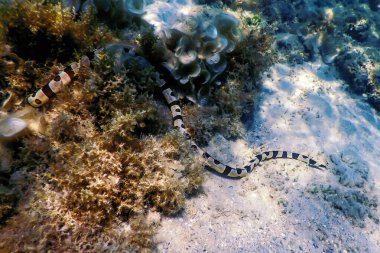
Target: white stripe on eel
49,90
216,165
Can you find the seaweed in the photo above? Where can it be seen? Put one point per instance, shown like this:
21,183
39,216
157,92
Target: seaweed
103,154
230,105
34,36
49,30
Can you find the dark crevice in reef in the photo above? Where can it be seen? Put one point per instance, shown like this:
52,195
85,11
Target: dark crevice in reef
41,46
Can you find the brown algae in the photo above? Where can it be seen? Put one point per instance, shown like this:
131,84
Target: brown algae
104,156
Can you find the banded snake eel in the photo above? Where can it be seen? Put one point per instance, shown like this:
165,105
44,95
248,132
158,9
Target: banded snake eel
49,90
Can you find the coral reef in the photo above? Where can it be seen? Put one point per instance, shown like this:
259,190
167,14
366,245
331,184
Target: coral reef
227,108
114,12
200,54
101,159
196,39
91,162
100,171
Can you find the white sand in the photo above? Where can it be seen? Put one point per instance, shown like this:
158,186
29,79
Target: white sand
280,207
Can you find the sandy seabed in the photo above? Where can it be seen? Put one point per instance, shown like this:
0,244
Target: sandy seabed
284,206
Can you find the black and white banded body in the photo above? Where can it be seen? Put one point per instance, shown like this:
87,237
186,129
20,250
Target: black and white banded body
216,165
63,78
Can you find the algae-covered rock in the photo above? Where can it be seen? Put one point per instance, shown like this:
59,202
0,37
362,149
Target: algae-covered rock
359,31
351,169
280,10
355,68
374,100
291,47
7,201
354,204
5,161
114,11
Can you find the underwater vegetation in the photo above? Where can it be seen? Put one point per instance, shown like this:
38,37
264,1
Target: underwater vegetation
40,30
194,39
101,163
229,107
97,172
113,12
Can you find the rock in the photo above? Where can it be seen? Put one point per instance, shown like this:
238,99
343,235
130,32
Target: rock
311,44
329,48
11,128
355,67
354,204
351,169
7,201
18,180
291,47
5,160
374,100
359,31
374,5
281,9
